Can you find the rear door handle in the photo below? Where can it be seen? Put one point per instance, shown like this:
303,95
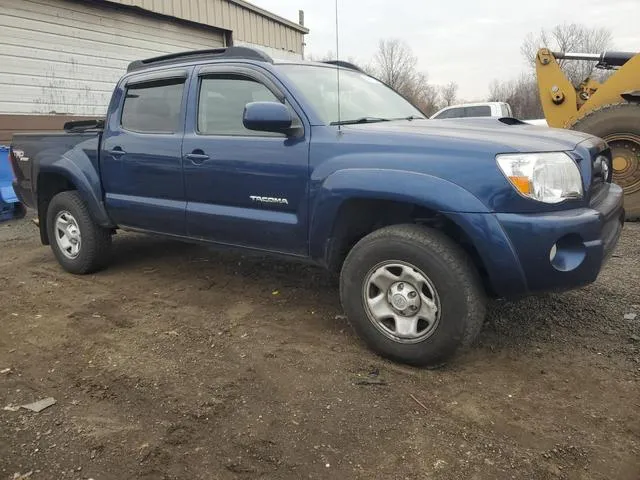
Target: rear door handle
197,158
116,152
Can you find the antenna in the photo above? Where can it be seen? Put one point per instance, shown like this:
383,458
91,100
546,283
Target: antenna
338,67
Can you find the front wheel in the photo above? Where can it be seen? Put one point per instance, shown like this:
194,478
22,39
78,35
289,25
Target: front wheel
78,243
412,294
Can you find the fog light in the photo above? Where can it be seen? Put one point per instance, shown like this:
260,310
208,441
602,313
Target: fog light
568,253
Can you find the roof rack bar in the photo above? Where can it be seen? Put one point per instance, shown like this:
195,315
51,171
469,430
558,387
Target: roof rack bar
343,64
212,53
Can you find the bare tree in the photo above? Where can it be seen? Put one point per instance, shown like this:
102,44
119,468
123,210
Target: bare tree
330,56
569,38
397,66
521,93
429,102
449,94
314,57
421,94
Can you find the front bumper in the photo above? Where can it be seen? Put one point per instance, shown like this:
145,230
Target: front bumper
525,254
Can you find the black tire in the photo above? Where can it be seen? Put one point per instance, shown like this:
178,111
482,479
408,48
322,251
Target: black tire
614,123
455,278
95,245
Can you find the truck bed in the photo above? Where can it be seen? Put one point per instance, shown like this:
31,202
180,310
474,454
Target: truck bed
31,150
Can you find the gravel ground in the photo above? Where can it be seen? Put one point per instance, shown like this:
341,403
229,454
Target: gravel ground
179,362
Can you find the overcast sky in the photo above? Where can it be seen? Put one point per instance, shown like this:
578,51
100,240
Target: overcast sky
470,42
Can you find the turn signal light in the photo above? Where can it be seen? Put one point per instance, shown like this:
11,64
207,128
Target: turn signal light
522,184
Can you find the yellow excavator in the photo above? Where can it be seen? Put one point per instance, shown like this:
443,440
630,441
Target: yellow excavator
610,110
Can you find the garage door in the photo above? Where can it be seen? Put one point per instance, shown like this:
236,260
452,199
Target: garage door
64,57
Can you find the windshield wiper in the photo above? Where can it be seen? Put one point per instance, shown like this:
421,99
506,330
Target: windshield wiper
360,120
410,117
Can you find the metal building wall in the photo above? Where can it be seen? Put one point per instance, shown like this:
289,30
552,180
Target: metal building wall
249,24
60,58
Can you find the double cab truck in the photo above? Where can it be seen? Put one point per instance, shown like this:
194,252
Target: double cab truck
423,220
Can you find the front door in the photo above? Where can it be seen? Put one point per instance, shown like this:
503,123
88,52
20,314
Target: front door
141,157
243,187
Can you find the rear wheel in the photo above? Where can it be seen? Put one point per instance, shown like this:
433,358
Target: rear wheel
412,294
619,126
78,243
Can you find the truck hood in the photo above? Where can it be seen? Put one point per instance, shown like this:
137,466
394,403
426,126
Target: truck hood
495,134
461,152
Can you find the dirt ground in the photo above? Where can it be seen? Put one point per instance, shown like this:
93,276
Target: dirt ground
180,362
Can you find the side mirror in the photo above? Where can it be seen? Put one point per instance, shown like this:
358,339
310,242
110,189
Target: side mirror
267,117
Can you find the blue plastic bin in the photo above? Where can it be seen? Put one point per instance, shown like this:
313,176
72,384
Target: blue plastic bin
9,205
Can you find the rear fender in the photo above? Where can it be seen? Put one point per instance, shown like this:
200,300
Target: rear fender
80,171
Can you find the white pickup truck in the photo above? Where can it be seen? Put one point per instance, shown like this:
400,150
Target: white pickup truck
482,109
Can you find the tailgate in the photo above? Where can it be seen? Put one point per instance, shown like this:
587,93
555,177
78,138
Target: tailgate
21,165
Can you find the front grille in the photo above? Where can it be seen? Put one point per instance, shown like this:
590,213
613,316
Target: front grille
601,168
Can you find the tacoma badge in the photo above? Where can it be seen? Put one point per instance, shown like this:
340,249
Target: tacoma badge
282,201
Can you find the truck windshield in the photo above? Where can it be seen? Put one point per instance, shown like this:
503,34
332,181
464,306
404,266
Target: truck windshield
363,99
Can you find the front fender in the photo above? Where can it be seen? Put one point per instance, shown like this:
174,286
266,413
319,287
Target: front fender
458,205
380,184
78,169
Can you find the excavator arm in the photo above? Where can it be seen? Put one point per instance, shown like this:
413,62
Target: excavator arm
563,104
557,95
610,110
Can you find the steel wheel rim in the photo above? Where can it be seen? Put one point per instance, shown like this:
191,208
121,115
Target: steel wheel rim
401,301
67,233
625,152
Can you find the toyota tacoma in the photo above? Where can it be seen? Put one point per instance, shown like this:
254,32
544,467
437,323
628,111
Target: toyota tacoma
422,220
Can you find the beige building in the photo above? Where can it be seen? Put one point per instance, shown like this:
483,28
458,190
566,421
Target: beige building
62,58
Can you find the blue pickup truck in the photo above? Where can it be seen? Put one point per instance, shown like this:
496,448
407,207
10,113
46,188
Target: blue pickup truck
422,219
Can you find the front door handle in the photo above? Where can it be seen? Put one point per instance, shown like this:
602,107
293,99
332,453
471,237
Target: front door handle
116,152
197,157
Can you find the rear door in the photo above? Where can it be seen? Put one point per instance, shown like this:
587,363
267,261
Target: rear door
141,155
243,187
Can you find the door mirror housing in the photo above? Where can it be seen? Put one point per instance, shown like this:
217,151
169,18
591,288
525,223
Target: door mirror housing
267,117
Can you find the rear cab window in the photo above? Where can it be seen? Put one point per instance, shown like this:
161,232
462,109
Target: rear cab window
452,113
154,106
478,111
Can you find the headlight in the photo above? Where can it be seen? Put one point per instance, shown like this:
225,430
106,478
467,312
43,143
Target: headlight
546,177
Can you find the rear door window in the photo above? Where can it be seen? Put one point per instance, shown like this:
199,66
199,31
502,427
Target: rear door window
153,107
